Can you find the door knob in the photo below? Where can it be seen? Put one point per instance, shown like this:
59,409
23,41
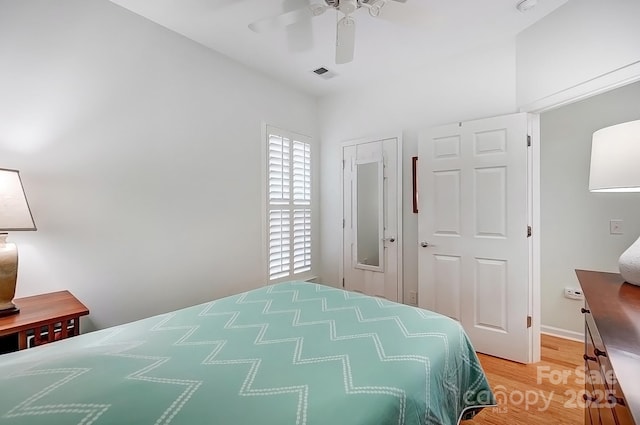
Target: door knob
424,244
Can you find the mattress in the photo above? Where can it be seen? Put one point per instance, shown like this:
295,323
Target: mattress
290,353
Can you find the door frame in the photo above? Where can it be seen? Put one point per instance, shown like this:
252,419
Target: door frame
600,84
399,238
535,284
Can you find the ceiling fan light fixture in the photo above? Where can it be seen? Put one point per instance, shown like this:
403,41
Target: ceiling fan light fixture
526,5
375,7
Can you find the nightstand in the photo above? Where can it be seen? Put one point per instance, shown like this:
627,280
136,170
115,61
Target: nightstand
42,319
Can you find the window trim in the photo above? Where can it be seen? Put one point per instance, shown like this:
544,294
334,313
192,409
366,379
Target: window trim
268,129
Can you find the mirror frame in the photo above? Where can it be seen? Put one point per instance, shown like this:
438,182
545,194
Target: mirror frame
356,264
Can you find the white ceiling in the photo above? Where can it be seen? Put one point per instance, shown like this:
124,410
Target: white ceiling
411,35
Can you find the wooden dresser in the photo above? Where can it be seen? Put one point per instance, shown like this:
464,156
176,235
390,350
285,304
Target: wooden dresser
612,348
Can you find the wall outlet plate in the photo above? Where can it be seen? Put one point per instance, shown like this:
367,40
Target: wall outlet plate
413,298
573,293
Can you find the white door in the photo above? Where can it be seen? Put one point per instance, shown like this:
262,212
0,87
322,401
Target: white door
372,218
473,231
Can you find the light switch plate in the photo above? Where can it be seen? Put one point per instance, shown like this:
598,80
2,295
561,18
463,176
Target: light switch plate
615,227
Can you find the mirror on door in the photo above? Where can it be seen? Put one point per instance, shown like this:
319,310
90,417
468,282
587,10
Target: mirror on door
369,215
372,216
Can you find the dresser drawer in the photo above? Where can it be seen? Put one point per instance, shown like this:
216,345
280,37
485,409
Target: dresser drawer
602,390
591,401
612,327
596,354
597,393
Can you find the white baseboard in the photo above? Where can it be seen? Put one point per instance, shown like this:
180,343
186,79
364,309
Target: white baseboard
562,333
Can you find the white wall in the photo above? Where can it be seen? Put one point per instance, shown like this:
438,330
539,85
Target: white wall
478,84
140,154
575,222
581,40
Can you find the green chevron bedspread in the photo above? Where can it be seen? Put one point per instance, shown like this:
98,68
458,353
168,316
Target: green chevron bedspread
290,353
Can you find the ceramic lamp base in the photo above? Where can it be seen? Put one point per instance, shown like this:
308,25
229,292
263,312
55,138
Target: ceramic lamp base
8,274
629,264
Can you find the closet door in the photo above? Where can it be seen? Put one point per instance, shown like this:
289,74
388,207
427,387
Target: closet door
372,215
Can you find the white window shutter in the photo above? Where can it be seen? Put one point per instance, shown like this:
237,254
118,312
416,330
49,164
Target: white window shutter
301,240
279,243
289,209
279,174
301,173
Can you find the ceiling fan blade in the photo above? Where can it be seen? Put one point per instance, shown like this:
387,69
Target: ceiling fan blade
299,35
345,40
288,18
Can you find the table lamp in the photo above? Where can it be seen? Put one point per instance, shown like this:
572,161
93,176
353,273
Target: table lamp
14,215
615,167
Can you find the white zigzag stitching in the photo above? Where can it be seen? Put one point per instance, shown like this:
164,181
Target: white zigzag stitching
350,388
93,411
180,401
247,390
175,407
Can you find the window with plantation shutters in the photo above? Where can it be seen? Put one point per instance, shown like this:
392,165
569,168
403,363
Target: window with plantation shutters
289,204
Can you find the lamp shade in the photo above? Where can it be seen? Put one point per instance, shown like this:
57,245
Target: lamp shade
615,159
14,208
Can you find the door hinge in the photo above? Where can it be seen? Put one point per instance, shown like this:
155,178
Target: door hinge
528,231
343,161
343,282
343,223
528,322
528,140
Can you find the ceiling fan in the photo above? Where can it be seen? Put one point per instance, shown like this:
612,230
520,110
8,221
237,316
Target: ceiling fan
346,27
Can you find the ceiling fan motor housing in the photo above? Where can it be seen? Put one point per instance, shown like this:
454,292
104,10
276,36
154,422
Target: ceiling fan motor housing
348,6
336,3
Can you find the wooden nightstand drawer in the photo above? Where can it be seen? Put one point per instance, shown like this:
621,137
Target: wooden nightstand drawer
42,319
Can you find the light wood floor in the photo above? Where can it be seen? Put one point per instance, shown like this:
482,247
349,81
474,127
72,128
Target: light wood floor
548,392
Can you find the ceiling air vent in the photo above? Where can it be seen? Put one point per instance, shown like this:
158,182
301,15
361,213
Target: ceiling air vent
324,73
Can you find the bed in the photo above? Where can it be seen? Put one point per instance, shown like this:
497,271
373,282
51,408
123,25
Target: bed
290,353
